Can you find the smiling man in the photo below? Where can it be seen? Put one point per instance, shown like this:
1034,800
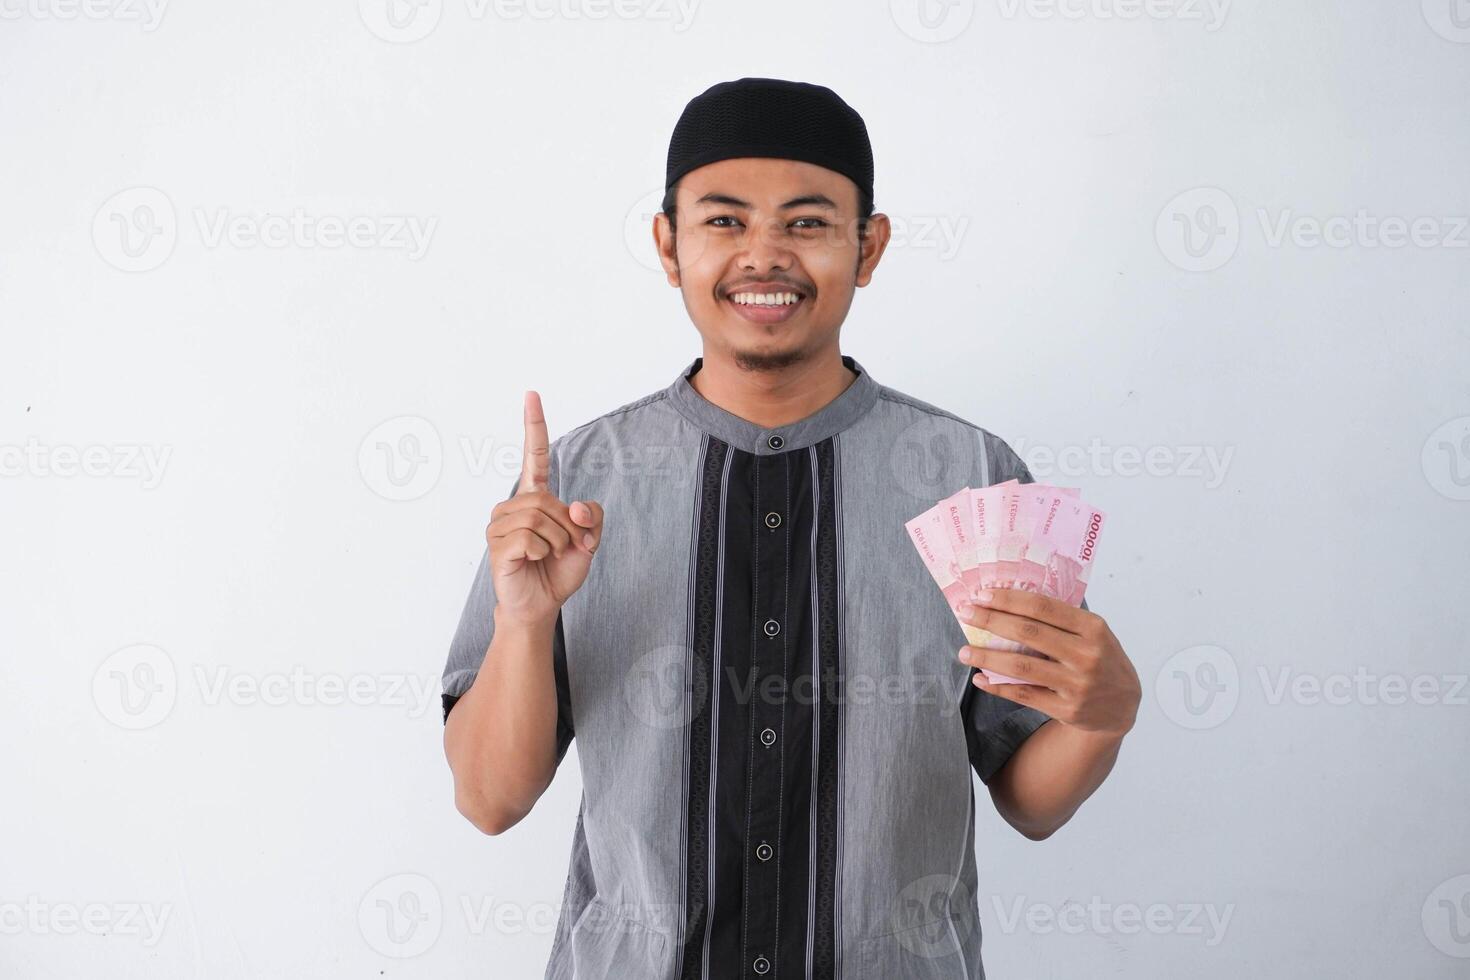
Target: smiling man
710,588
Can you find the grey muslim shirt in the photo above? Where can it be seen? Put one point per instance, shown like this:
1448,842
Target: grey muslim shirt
775,737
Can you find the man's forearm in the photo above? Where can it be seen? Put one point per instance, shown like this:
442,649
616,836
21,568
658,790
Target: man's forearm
500,737
1047,779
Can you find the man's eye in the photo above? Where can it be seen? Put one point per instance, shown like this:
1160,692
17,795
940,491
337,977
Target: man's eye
800,224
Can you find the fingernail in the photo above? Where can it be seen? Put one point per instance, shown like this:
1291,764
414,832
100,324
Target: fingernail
984,595
966,608
587,541
964,654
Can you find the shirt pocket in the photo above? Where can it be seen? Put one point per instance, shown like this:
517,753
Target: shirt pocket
608,941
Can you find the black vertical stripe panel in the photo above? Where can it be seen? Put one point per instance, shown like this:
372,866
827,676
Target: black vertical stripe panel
784,908
703,586
738,630
795,727
828,795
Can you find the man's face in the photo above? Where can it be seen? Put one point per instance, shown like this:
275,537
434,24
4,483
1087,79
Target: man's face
768,227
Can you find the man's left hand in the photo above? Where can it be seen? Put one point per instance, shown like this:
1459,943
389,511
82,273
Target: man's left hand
1085,681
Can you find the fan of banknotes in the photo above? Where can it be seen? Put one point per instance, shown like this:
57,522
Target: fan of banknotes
1012,535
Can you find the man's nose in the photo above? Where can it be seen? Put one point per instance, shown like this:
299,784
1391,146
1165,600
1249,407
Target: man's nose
766,245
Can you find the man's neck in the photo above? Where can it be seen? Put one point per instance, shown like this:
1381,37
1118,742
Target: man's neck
772,398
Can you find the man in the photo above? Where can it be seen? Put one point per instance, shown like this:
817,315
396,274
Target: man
711,588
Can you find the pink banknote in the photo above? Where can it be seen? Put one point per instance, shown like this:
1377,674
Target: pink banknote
1031,536
1074,539
1044,508
932,540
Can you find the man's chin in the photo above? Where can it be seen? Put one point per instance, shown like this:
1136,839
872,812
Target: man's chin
752,347
768,357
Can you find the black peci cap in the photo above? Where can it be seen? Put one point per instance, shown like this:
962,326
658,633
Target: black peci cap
771,117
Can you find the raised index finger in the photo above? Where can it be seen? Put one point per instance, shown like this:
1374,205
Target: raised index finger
534,456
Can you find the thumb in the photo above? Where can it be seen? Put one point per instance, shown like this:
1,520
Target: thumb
588,514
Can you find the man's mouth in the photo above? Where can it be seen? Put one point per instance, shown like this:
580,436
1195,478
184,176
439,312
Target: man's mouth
774,306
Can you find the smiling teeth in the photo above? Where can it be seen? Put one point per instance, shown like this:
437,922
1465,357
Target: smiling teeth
765,299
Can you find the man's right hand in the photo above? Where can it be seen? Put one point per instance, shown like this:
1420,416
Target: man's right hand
540,548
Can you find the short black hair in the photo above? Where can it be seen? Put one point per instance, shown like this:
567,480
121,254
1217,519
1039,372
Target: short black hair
865,208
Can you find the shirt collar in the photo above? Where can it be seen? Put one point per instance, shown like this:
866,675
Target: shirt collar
826,421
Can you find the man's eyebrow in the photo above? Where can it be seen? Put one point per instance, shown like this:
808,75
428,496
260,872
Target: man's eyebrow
806,200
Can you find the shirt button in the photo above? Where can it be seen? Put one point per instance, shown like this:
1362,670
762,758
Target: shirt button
773,520
772,627
768,737
764,852
761,965
775,442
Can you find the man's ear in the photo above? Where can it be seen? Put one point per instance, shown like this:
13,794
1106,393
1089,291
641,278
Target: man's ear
871,246
664,241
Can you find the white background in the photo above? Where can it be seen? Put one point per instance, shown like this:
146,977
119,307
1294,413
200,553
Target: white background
1043,287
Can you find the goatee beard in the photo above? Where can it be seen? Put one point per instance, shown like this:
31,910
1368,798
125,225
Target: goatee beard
777,361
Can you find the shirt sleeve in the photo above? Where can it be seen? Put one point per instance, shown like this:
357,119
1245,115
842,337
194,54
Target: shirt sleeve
476,628
994,726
